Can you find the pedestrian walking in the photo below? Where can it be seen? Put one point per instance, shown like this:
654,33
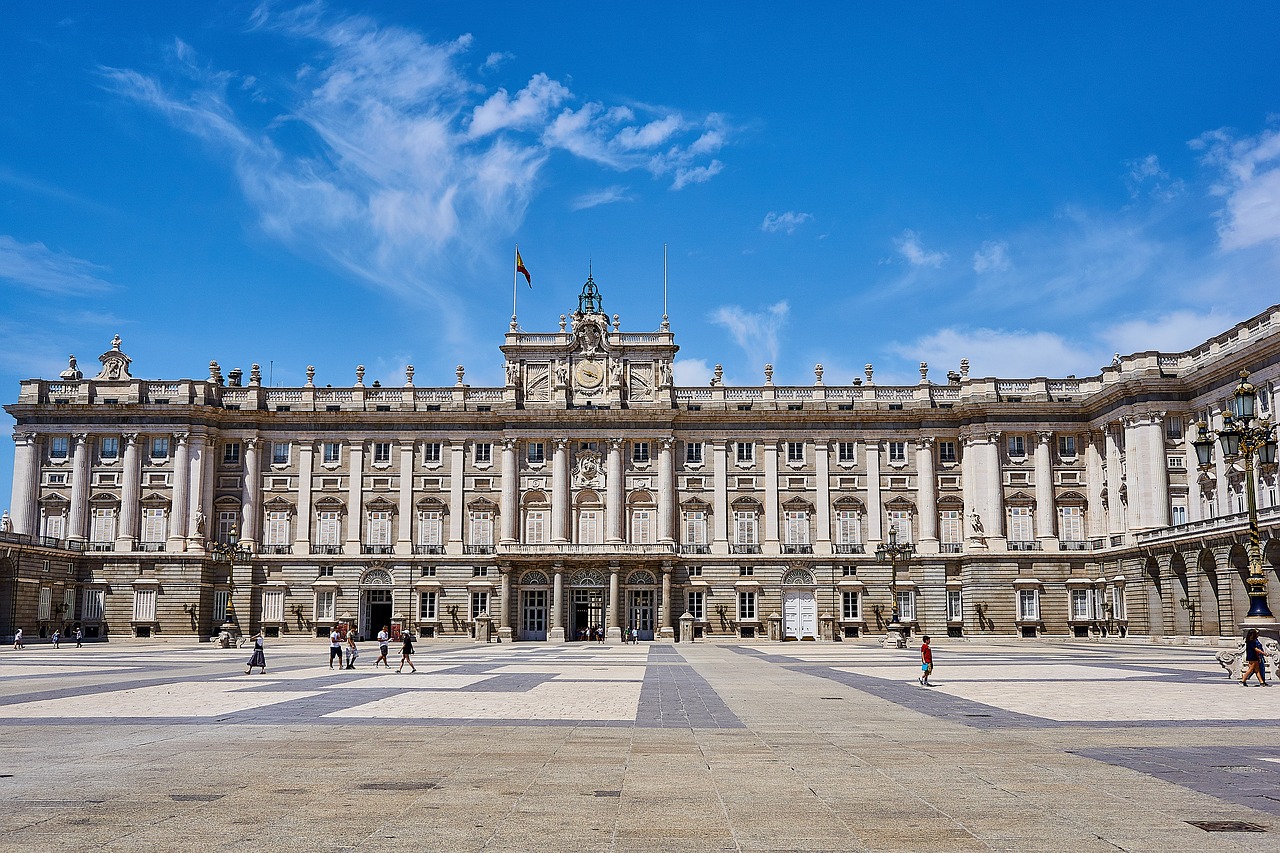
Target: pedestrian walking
335,647
56,638
406,653
352,651
259,657
1255,662
17,639
384,638
926,660
79,638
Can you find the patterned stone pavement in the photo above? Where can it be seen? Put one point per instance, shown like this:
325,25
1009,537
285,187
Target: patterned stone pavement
796,747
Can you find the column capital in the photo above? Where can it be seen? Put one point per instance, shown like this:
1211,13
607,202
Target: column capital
130,439
24,438
510,444
561,443
615,445
926,442
251,442
81,438
1044,436
181,438
667,442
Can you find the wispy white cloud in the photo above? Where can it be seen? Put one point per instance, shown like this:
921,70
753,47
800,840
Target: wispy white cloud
1002,352
608,195
912,249
412,162
33,266
691,371
1147,177
756,332
992,256
1248,179
788,221
1176,331
495,60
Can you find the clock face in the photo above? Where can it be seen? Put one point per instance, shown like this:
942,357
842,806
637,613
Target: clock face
589,373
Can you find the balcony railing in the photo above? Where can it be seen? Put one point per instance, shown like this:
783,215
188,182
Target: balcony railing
1098,544
102,546
428,549
694,548
325,549
1073,545
1023,545
1237,521
366,548
613,549
276,549
478,549
950,547
850,548
149,547
1117,541
796,548
744,549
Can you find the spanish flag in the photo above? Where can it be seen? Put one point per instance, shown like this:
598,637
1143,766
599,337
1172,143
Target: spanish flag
520,268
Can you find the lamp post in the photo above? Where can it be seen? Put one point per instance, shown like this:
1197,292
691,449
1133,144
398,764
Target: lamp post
1244,434
231,553
893,552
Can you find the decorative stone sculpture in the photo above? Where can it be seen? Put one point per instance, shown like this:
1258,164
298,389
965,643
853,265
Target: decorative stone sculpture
924,373
408,375
215,373
460,372
255,374
964,368
235,377
115,364
817,374
718,378
359,375
1232,660
768,374
870,371
72,373
311,375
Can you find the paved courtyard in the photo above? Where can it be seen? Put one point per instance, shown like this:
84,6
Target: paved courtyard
801,747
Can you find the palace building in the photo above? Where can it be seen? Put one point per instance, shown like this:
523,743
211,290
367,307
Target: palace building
590,491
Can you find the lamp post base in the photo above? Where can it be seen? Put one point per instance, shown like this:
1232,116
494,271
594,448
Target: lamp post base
1268,627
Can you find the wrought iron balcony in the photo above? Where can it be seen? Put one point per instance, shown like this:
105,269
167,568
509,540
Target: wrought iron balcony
609,549
744,549
478,549
366,548
950,547
850,548
148,547
797,548
694,548
428,549
325,549
276,549
102,546
1023,545
1073,545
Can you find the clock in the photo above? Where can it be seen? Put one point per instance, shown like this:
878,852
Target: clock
589,374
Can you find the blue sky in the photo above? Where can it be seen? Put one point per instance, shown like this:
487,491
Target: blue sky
1031,186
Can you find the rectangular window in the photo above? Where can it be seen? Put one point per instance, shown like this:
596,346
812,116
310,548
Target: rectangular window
695,605
795,451
328,523
58,447
744,527
427,606
845,452
1017,445
850,605
947,452
429,527
955,608
273,605
1020,524
1080,609
160,447
379,532
640,452
483,452
325,605
91,605
1029,605
479,603
906,599
54,525
109,448
1071,523
695,527
746,452
1178,514
1117,602
951,530
746,571
795,528
589,527
104,525
277,528
900,520
693,453
220,598
481,528
231,453
1066,446
279,453
144,605
746,606
431,452
897,451
381,452
537,452
46,604
848,527
226,530
330,453
1177,462
1173,426
535,527
641,527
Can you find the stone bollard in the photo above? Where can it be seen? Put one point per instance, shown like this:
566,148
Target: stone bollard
686,627
484,628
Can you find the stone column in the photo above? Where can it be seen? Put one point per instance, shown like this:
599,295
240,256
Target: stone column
770,494
355,496
560,491
1115,479
404,529
26,473
1135,453
615,497
1195,508
79,487
666,490
306,461
556,634
504,609
1221,483
926,497
822,510
720,505
993,485
130,493
1156,474
613,629
207,474
665,631
457,457
875,511
181,494
251,496
510,492
1094,518
1046,520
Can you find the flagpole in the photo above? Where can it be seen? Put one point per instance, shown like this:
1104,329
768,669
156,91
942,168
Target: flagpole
665,325
514,289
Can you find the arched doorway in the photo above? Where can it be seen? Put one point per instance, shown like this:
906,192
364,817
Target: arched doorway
799,605
1183,605
641,603
586,603
376,602
1155,605
1210,604
1238,560
534,593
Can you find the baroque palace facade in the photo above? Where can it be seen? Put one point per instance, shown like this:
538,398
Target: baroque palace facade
590,491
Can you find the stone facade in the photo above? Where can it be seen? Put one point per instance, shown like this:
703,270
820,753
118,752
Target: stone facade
590,491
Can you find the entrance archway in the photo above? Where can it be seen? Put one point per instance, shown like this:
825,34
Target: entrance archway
533,606
587,596
641,604
799,606
377,603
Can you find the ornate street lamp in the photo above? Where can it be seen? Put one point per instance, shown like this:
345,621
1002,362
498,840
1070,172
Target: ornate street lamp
1244,434
894,552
